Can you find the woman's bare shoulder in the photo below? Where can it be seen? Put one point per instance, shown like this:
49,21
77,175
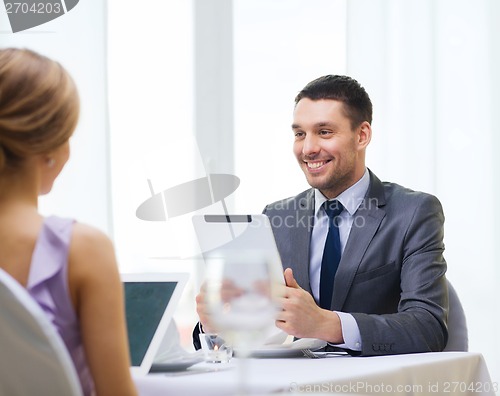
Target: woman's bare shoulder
91,248
86,234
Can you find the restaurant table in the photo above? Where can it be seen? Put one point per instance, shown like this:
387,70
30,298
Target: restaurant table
442,373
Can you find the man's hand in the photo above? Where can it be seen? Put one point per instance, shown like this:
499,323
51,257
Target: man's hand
301,316
228,292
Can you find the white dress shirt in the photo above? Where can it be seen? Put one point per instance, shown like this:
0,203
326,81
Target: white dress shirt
350,199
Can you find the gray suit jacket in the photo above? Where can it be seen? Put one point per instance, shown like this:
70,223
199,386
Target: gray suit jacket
391,276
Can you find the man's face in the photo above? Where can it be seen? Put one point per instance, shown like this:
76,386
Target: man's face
329,152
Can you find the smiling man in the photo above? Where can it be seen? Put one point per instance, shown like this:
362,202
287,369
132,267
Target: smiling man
364,258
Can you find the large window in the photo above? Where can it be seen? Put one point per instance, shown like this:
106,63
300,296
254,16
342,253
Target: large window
208,86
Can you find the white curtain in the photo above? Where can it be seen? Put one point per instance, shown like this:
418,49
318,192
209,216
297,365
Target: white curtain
431,68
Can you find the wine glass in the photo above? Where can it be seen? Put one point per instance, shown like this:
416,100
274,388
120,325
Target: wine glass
242,301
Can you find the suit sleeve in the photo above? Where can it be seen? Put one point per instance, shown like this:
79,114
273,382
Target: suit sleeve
419,325
196,336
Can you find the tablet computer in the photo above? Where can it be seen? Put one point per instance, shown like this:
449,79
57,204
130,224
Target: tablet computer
232,235
150,302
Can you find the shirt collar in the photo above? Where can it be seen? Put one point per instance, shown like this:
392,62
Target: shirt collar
350,198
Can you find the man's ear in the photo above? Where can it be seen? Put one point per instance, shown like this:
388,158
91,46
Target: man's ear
364,134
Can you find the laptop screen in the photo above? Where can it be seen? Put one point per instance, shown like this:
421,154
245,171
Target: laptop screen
145,303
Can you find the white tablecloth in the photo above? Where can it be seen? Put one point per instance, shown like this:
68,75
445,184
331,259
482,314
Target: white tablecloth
445,373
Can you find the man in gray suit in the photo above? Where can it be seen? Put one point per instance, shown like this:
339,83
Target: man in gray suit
364,259
389,290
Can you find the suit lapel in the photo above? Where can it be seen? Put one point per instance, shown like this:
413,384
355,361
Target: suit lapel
367,220
300,239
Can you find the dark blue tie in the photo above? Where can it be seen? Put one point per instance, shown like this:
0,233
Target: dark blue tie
331,254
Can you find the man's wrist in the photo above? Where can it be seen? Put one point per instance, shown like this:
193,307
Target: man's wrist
330,328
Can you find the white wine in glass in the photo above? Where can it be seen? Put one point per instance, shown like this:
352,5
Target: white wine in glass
242,300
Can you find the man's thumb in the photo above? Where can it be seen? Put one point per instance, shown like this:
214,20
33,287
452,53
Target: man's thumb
290,280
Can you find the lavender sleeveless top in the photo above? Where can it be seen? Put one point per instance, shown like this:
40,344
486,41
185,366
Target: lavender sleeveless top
48,285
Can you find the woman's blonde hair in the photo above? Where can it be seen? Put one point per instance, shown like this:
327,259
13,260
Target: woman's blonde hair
39,106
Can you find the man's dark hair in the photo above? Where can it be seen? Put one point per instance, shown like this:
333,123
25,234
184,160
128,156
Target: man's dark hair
357,104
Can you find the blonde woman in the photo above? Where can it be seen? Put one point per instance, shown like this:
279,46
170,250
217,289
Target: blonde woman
69,268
